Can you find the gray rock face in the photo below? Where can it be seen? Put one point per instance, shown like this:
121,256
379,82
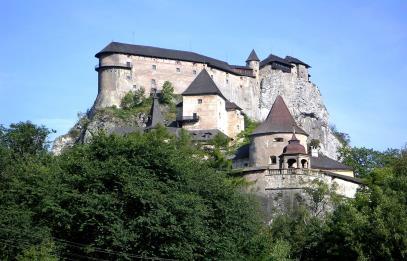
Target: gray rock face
102,120
304,100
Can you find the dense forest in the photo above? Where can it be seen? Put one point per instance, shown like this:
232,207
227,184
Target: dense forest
154,196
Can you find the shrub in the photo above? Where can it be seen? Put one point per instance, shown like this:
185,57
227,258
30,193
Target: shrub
167,93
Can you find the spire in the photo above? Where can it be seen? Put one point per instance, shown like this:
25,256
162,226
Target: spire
253,57
155,114
279,120
203,84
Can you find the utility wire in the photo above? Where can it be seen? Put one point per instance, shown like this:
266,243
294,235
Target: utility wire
84,247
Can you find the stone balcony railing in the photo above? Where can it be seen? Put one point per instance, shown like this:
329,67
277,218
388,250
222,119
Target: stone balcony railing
127,65
193,118
293,171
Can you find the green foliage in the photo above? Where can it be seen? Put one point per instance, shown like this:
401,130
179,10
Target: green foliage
315,143
343,137
249,127
25,138
43,252
143,195
128,114
167,93
133,99
364,160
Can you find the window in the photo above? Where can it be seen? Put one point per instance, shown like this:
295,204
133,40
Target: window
153,83
227,81
178,69
178,62
194,115
278,140
194,72
128,64
238,127
273,160
241,86
134,86
154,67
199,101
212,76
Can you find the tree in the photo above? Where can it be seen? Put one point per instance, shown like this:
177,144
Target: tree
142,195
25,138
167,93
343,137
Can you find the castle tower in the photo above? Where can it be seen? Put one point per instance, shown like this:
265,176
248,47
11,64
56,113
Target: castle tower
253,62
294,155
270,138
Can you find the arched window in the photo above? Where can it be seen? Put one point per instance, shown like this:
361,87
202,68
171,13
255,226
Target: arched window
292,163
304,163
273,160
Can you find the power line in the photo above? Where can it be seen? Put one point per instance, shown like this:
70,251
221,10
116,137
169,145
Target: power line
84,247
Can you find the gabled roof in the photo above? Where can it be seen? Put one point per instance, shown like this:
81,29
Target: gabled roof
325,163
155,114
274,58
149,51
294,60
279,120
230,106
253,57
201,85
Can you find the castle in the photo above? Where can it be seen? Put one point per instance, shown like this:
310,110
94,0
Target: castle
215,95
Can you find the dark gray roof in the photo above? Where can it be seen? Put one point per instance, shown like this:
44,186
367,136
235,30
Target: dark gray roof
275,59
155,114
253,57
325,163
149,51
242,152
294,60
201,85
279,120
205,135
231,106
344,177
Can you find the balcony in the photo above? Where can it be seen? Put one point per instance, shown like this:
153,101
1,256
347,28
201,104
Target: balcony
127,66
193,118
293,172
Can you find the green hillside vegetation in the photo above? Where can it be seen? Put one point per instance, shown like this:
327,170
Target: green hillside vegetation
154,196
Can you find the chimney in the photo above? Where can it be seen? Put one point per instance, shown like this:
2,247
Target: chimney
314,152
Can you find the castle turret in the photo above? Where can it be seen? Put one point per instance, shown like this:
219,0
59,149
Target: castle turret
300,69
269,139
253,62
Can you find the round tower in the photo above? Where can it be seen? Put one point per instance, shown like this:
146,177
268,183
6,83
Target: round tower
253,62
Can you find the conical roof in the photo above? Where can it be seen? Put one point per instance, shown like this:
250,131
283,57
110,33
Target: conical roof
279,120
253,57
202,84
294,146
155,114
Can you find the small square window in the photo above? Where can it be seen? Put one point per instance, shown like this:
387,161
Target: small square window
153,82
199,101
227,81
178,62
178,69
154,67
194,72
241,86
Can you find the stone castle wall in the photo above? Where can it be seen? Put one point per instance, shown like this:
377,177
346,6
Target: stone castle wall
150,73
254,95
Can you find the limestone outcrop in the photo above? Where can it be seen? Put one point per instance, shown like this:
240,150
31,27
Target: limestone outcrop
305,102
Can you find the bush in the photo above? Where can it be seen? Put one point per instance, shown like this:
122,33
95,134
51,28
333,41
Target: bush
133,99
167,93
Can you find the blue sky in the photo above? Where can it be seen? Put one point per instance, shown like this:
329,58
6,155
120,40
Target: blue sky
357,50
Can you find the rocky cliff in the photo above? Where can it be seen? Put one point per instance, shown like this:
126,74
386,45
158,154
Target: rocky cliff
305,103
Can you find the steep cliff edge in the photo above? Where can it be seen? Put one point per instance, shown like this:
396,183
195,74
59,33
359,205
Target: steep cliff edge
304,100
